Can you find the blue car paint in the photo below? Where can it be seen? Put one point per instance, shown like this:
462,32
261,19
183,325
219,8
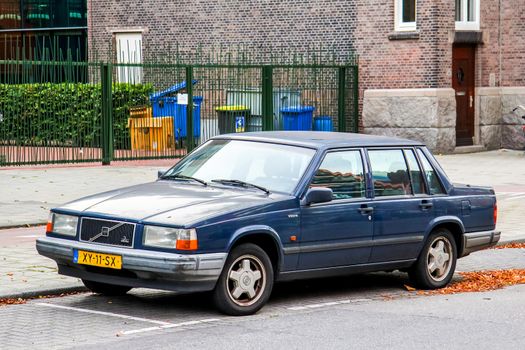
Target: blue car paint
281,216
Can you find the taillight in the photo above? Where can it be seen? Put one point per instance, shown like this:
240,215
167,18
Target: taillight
495,212
49,226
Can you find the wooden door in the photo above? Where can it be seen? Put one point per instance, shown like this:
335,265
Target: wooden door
463,84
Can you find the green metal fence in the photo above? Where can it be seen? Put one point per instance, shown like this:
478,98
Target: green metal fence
59,112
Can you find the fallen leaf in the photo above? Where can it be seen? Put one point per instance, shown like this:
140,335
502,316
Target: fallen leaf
410,289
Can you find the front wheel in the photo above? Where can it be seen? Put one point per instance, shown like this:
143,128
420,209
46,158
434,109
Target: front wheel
105,288
246,281
437,261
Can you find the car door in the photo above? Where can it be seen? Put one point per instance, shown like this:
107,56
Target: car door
339,232
402,207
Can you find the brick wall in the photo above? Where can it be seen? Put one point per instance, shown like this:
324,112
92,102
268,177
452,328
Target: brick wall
259,23
503,50
360,25
413,63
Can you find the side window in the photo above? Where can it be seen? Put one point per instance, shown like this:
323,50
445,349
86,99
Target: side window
343,173
389,173
418,184
430,174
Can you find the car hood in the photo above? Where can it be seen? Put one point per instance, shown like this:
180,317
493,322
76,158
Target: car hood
172,202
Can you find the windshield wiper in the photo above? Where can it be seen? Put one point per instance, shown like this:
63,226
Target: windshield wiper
183,177
241,184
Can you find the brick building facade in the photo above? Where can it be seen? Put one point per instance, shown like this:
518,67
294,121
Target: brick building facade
409,83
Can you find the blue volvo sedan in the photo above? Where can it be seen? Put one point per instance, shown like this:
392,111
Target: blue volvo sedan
243,211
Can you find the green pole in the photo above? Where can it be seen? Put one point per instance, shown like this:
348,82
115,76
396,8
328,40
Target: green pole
107,114
356,98
267,97
189,110
341,96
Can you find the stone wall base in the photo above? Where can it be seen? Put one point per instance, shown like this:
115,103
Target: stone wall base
426,115
429,116
499,126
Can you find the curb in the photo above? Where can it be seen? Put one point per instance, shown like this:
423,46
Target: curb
7,227
43,292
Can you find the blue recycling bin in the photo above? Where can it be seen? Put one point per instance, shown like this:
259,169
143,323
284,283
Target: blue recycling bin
297,118
323,123
167,106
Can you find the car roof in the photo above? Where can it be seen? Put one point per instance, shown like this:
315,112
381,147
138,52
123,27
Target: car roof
321,139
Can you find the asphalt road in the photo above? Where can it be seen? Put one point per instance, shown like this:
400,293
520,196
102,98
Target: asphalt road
368,311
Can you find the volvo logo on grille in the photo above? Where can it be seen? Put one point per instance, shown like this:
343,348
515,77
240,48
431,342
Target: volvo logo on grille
104,232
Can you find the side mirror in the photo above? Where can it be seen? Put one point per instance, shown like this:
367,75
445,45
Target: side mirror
318,195
160,173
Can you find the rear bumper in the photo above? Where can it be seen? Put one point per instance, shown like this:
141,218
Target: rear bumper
140,268
473,241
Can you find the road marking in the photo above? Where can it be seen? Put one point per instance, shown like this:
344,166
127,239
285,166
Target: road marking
331,303
173,325
127,317
162,324
30,236
521,195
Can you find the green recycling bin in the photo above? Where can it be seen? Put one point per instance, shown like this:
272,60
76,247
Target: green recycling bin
233,119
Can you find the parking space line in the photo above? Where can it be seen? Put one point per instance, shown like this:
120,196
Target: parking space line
173,325
521,195
111,314
330,303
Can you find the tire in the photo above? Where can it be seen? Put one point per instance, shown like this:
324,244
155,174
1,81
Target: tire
246,281
105,288
437,261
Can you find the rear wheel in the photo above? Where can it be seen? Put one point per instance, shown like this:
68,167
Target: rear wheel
246,281
105,288
437,262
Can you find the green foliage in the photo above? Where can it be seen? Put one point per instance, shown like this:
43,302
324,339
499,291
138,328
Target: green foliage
67,114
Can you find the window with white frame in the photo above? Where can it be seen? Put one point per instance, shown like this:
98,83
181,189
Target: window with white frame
467,14
405,15
129,52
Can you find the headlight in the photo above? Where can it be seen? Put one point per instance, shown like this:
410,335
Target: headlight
62,224
165,237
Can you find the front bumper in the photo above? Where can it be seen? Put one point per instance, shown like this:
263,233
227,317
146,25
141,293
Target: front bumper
140,268
473,241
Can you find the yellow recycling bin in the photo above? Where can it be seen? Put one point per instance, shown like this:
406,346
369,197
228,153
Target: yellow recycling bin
151,134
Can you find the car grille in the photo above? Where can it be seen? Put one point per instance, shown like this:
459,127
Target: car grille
107,232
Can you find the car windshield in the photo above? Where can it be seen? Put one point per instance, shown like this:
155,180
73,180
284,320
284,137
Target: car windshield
271,166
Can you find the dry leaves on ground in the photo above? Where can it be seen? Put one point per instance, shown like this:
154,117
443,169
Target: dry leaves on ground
510,245
480,281
13,301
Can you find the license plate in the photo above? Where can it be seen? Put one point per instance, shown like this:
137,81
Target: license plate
97,259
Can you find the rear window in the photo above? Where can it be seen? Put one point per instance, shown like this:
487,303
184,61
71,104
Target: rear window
430,174
389,173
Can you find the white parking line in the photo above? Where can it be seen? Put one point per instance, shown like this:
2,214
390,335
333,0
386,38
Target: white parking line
127,317
162,324
173,325
514,197
331,303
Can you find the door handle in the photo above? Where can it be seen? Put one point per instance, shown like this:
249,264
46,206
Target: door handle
425,205
365,209
471,100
